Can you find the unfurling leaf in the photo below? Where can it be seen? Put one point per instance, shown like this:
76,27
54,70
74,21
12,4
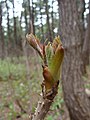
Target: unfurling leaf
56,58
52,56
35,43
48,78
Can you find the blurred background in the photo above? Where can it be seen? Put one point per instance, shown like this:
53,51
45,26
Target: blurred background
19,17
20,70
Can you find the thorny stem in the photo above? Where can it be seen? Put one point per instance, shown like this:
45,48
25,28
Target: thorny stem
44,104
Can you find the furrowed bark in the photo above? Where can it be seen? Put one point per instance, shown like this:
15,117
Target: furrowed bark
75,97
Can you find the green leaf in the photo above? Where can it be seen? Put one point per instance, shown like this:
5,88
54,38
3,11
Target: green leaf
55,53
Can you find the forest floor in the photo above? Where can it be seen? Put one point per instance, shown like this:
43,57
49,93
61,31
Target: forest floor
19,92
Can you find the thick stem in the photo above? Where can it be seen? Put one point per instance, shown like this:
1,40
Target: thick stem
45,103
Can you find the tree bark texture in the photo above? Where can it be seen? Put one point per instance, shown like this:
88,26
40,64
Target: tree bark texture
75,98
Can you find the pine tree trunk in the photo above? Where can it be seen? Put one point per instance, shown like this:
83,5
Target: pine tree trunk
52,16
75,98
41,23
29,10
15,28
8,30
86,45
32,17
48,23
2,43
26,23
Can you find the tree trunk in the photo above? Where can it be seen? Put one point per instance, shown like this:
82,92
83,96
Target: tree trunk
30,14
8,29
75,98
48,23
32,17
86,46
41,23
1,34
26,23
52,16
15,28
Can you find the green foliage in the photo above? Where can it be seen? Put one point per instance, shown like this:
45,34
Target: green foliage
86,77
56,109
58,100
56,52
17,87
27,92
9,70
50,117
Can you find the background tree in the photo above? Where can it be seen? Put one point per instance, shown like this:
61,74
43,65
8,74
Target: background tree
86,45
52,16
8,28
14,22
2,43
48,20
18,74
75,97
38,14
42,32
